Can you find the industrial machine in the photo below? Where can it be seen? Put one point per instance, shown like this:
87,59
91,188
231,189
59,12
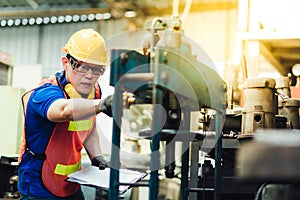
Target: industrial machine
253,138
9,177
269,158
167,75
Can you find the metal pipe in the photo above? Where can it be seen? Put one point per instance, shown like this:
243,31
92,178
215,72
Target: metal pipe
218,156
154,162
175,7
113,191
185,161
186,10
136,77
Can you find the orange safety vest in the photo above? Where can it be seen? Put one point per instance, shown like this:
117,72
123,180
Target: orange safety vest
63,152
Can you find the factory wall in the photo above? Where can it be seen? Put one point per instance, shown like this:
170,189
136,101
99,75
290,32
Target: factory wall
31,45
215,32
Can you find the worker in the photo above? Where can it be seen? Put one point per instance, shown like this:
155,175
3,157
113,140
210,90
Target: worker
60,116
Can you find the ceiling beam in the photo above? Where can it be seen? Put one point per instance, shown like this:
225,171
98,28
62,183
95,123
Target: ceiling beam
285,53
277,50
266,52
289,63
288,56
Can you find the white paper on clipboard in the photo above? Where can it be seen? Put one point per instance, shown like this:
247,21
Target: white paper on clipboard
92,176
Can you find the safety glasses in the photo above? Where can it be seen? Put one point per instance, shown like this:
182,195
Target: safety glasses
83,68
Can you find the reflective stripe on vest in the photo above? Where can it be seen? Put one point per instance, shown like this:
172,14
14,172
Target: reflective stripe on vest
64,170
82,125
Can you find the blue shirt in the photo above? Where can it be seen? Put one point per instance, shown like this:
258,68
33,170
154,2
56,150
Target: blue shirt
38,132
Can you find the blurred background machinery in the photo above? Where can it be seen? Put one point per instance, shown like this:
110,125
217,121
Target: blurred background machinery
9,177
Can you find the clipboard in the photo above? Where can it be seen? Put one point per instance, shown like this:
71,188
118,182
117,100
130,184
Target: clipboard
92,176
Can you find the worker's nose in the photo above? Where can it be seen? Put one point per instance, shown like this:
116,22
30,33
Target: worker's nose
89,73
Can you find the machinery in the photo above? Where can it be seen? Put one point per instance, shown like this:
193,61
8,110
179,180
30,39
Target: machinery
8,177
269,160
259,142
166,75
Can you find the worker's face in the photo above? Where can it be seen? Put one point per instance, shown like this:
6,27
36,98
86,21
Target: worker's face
83,77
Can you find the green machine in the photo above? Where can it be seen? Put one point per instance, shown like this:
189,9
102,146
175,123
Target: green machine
166,74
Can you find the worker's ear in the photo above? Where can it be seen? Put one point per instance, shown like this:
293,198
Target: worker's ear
65,61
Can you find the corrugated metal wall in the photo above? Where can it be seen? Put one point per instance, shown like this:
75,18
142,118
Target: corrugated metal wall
31,45
21,42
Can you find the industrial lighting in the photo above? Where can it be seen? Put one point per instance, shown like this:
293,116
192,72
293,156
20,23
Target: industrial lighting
83,18
296,69
68,18
53,19
130,14
10,22
31,21
24,21
76,18
17,22
106,15
46,20
3,22
39,20
59,19
91,17
99,16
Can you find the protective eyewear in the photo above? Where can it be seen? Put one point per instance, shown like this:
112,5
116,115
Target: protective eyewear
84,68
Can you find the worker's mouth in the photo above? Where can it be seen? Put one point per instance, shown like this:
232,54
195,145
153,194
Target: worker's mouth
86,84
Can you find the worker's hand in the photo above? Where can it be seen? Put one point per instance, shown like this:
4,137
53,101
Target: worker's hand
100,162
105,105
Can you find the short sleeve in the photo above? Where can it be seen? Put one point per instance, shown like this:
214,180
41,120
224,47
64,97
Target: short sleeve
43,97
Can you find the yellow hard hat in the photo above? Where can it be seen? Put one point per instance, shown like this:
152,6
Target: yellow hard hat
87,45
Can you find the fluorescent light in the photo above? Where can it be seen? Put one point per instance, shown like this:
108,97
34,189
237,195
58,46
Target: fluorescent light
130,14
46,20
106,15
17,22
99,16
61,19
53,19
39,20
83,18
58,19
10,22
91,17
68,18
24,21
76,18
31,21
3,22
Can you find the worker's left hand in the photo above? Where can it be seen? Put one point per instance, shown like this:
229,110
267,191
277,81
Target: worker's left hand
100,162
